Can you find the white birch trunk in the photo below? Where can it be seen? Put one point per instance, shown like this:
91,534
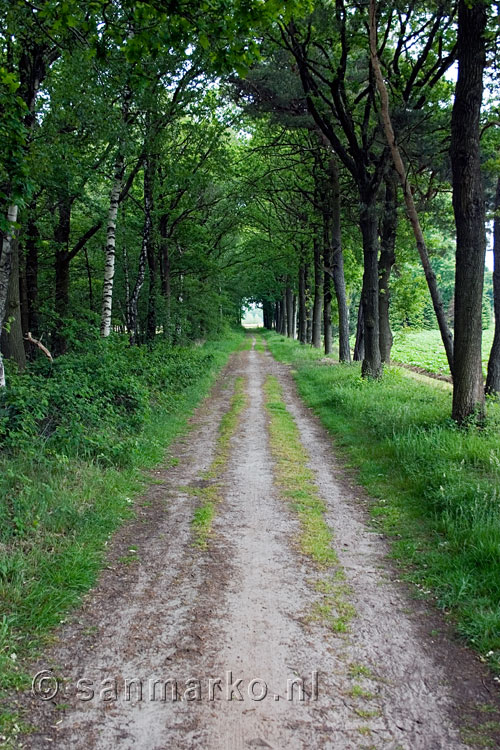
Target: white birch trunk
109,269
5,269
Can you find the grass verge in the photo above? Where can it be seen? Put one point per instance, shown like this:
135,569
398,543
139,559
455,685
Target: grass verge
59,504
436,486
210,495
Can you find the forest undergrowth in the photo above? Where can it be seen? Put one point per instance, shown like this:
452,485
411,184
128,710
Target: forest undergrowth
78,437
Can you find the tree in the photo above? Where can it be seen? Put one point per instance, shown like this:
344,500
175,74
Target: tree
5,270
469,209
493,377
408,196
336,70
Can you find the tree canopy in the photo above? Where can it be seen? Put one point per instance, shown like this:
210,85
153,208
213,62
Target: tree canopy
165,164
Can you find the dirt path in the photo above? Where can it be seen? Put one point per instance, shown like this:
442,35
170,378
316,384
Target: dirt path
240,609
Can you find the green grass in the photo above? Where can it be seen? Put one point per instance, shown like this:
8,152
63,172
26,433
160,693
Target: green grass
425,349
204,515
295,479
59,506
437,487
360,670
334,609
296,484
227,427
359,692
210,495
246,343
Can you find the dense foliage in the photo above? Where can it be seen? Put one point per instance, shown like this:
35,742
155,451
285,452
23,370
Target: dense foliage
163,167
92,405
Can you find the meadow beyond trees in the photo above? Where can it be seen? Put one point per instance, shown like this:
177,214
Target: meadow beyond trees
167,168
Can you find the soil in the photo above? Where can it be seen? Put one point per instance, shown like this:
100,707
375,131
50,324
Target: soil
240,609
420,372
426,373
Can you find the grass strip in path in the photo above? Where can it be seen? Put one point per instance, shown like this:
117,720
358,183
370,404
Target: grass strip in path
211,494
295,481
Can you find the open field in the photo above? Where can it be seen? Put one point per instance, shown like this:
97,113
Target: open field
425,349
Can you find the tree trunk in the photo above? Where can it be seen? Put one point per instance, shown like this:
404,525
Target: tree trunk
31,270
372,363
32,70
33,63
469,210
493,379
359,345
62,262
109,268
309,324
147,232
386,262
149,169
289,312
23,292
337,260
430,276
327,290
308,304
5,272
302,305
114,201
12,343
270,315
283,326
265,314
318,292
165,281
133,302
343,307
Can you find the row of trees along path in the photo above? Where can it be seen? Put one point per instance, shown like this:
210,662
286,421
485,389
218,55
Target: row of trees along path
161,168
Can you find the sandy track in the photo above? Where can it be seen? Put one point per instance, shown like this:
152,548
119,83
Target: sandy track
243,607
